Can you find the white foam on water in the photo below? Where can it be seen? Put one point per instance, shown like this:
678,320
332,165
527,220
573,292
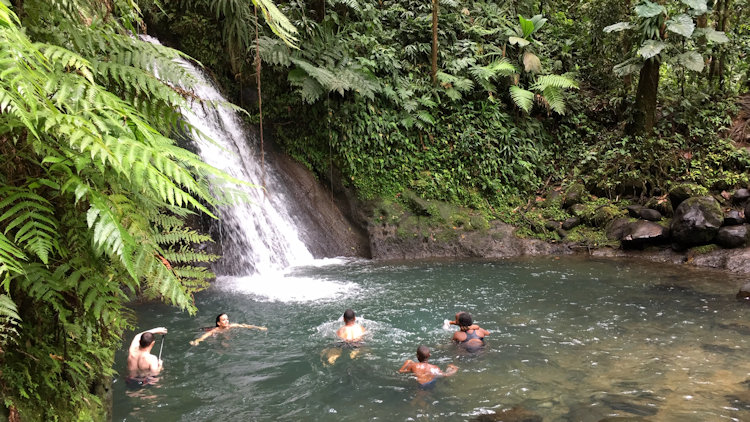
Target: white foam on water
281,287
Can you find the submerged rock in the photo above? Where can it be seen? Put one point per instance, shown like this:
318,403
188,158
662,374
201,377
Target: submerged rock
516,414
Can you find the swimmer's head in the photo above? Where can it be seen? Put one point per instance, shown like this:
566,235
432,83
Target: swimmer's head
349,316
465,320
423,353
222,320
146,340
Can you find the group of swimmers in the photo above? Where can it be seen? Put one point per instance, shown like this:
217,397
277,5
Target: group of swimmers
144,367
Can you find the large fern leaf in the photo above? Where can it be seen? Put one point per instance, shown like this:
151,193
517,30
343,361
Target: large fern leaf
522,98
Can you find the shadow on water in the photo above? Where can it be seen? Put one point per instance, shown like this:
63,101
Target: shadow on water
571,340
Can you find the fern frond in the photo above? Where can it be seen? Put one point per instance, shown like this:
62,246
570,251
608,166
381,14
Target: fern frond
522,98
32,219
496,68
555,99
557,81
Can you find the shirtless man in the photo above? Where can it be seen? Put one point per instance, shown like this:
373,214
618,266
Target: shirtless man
223,324
141,363
351,331
471,336
426,373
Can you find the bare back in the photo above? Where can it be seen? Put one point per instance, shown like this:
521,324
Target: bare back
353,332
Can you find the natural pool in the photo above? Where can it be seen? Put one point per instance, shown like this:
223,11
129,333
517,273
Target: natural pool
572,339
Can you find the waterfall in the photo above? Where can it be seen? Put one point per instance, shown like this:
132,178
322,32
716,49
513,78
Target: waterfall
260,236
261,240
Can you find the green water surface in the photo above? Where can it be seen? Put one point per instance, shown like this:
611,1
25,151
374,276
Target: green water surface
571,340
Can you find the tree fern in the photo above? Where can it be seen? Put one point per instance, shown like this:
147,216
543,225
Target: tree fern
90,210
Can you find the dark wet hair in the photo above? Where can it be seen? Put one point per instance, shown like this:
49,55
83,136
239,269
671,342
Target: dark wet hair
423,353
218,317
348,315
146,339
464,319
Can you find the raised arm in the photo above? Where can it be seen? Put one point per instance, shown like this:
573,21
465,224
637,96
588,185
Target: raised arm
135,344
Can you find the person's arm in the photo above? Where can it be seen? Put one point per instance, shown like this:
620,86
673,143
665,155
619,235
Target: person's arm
407,366
248,326
483,331
203,337
457,337
155,365
135,344
452,369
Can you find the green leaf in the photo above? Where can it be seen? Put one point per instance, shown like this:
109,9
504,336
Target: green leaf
651,48
647,9
718,37
699,7
527,26
691,60
681,24
619,26
518,41
628,67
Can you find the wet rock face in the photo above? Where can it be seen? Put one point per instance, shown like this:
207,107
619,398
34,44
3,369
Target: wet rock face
696,221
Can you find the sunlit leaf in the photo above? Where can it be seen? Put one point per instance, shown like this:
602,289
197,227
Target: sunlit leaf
647,9
699,7
681,24
651,48
619,26
691,60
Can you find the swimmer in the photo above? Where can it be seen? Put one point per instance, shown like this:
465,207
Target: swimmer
142,365
471,336
222,324
426,373
351,331
448,323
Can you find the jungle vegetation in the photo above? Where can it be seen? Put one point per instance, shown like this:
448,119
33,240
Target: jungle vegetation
477,103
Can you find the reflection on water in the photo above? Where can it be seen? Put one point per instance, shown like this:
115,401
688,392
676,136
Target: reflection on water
571,340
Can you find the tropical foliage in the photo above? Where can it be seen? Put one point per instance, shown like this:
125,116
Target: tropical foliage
94,192
94,196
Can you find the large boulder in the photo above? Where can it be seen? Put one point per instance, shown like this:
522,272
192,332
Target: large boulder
734,218
696,221
574,195
641,233
616,228
732,236
684,191
740,196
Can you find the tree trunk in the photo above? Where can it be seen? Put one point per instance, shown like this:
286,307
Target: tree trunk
721,13
434,41
644,115
319,6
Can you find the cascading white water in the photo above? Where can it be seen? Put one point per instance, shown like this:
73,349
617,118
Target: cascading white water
261,236
260,239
